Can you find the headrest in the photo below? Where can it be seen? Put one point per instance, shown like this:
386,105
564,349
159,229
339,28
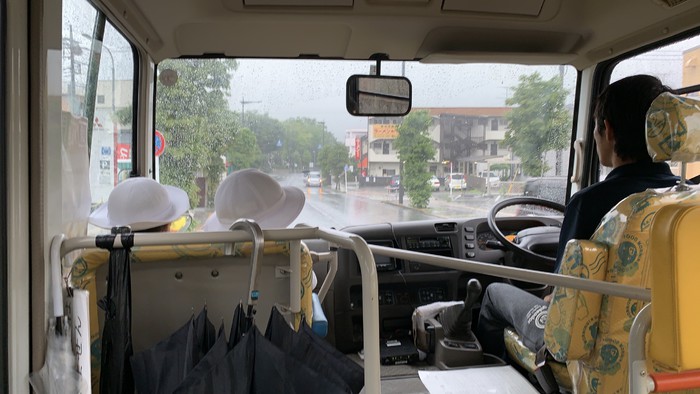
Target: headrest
673,128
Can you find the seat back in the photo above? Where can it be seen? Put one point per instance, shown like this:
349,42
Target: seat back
674,345
171,283
590,331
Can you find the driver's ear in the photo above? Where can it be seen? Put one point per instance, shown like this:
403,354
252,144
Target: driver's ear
608,132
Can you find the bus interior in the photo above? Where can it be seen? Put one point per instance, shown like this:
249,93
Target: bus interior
376,99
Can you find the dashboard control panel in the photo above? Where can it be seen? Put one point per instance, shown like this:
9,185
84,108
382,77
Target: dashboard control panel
440,245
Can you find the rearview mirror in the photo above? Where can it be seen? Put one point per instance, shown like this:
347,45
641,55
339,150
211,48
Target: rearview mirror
378,95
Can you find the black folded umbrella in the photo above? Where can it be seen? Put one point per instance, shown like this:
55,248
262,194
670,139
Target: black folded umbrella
215,355
204,336
161,368
115,371
240,324
308,348
256,365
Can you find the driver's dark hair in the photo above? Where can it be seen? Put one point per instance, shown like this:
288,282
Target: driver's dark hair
624,105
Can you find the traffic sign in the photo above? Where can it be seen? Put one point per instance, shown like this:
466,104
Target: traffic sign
160,143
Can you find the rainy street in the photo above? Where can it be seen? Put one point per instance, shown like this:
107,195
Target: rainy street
327,207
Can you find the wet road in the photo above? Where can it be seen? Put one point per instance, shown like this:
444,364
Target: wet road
326,207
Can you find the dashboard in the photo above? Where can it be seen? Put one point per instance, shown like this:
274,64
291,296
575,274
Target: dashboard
405,284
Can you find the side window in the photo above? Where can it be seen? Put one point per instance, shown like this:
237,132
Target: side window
97,100
678,66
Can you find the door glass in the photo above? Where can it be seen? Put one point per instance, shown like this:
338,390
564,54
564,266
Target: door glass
97,101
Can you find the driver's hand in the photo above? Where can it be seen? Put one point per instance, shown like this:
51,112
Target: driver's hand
548,297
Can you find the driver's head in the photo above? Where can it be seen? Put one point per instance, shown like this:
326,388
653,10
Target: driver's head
620,116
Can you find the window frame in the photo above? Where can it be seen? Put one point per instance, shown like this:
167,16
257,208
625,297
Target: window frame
4,269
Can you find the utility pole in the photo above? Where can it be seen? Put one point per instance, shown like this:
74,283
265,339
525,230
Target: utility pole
401,190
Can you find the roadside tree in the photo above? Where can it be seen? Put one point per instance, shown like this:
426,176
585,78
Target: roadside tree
193,116
333,158
415,150
244,151
539,122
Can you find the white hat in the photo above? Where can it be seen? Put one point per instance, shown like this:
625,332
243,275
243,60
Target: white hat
141,203
251,194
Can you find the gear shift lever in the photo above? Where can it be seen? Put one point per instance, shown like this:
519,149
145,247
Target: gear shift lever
452,342
460,328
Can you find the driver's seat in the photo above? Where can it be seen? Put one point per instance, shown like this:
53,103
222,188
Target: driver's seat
587,331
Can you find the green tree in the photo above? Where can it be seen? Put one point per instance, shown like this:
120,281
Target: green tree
305,138
270,136
244,151
539,122
415,149
193,116
333,158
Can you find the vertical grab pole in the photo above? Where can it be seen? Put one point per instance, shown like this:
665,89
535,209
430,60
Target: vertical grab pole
370,314
295,276
639,381
258,246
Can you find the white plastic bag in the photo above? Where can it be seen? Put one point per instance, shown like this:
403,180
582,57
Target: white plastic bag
58,375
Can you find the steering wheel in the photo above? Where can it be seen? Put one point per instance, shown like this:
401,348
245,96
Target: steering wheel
512,246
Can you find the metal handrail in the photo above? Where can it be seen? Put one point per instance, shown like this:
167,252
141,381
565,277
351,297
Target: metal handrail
545,278
370,313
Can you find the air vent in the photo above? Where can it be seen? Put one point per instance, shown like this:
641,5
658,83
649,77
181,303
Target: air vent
300,3
445,227
670,3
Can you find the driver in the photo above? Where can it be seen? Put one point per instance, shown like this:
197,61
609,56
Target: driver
620,117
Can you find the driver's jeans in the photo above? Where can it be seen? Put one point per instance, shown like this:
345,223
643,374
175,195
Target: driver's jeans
508,306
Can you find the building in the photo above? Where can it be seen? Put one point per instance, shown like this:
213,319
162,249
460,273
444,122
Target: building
470,139
354,140
467,140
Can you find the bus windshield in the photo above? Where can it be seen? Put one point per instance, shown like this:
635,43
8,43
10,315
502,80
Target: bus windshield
288,117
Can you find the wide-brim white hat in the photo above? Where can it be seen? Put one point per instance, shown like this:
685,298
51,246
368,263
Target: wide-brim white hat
252,194
141,203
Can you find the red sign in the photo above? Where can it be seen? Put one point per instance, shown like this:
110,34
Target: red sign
159,143
358,148
123,152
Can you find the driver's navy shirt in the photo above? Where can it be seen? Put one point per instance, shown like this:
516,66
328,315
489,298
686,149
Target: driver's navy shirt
588,206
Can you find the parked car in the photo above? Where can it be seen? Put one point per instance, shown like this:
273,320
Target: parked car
394,183
491,177
314,179
547,188
456,181
434,183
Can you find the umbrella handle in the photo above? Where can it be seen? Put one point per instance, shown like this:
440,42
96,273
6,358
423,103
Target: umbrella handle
253,229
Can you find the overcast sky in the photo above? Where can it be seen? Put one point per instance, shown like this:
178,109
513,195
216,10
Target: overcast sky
315,89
